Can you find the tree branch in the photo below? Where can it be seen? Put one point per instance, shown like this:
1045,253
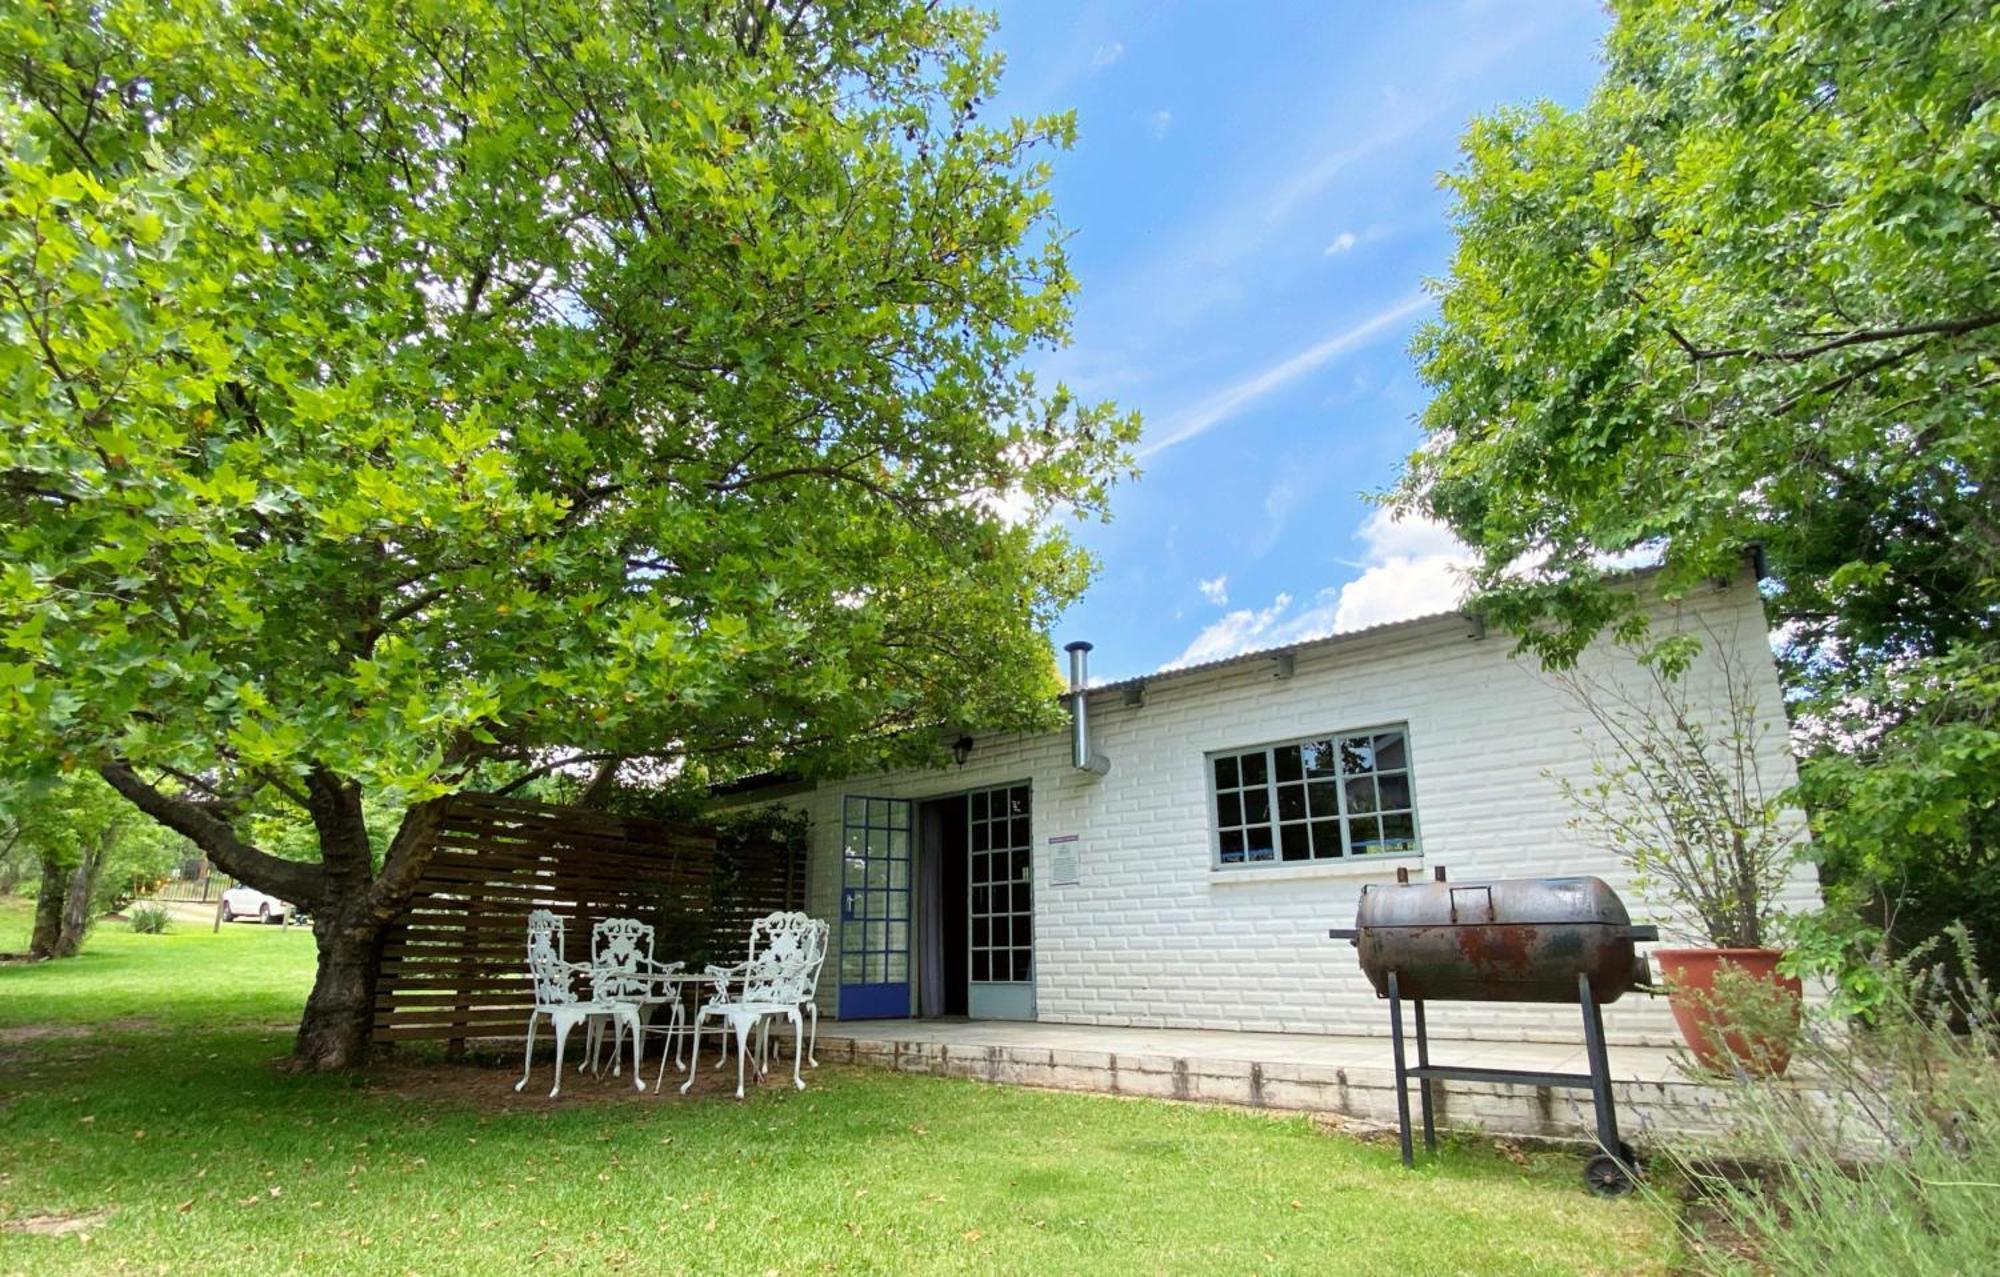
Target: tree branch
293,880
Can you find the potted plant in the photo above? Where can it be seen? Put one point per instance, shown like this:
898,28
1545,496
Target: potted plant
1678,790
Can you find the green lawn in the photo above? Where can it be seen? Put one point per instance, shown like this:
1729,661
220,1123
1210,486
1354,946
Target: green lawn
136,1092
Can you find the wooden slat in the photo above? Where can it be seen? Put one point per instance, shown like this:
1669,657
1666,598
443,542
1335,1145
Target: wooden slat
453,965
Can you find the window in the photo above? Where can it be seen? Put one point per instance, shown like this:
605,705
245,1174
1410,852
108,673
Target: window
1318,799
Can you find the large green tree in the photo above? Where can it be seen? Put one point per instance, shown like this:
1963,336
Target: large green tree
401,397
1750,295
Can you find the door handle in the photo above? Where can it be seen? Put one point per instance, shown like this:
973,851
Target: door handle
847,905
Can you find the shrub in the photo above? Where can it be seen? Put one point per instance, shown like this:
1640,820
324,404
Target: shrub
148,919
1879,1154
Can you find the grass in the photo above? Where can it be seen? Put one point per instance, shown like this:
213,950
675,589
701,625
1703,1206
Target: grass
138,1096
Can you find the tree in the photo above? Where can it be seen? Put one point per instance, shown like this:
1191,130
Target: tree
1746,297
87,846
404,398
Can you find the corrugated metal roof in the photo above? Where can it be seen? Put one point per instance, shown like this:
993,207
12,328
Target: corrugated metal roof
1282,649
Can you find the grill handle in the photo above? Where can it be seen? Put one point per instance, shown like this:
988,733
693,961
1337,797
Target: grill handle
1646,932
1343,933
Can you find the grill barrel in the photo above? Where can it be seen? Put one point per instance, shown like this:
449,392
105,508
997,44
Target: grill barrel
1512,940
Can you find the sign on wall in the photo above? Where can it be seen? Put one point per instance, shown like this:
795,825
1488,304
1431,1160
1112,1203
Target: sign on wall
1063,850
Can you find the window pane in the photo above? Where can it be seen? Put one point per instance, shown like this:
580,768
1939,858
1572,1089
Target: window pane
899,967
980,898
1289,767
1364,835
1326,838
1019,834
1361,795
850,967
1256,805
899,936
1391,750
878,812
981,932
1399,833
1254,770
899,872
1228,809
1323,798
1225,773
1017,800
1022,860
1319,758
981,965
982,834
1024,931
1297,845
1021,901
1291,802
1232,846
1257,843
979,805
1357,754
1395,791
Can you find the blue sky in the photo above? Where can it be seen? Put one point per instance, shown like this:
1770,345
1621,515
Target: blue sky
1254,208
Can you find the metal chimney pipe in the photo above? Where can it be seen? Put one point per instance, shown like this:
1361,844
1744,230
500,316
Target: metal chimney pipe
1082,757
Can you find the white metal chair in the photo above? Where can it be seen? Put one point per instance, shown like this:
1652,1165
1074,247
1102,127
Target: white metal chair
771,984
621,958
786,934
556,998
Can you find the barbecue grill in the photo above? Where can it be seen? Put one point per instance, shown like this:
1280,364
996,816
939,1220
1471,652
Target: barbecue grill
1514,940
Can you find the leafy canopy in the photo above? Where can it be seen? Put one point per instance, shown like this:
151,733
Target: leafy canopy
400,393
1747,296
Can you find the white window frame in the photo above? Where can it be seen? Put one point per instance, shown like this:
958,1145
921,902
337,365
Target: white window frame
1347,856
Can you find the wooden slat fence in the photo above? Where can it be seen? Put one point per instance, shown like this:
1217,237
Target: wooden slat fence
453,966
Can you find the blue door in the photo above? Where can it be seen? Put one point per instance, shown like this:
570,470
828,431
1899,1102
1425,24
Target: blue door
875,908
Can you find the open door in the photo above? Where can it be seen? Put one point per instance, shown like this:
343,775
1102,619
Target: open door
875,909
1001,908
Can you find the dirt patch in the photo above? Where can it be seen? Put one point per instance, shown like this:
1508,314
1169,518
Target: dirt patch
56,1224
20,1034
489,1084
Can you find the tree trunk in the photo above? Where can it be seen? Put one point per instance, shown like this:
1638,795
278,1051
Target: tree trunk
47,939
340,1013
76,906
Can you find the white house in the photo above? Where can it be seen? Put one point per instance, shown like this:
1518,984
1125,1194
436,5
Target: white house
1241,806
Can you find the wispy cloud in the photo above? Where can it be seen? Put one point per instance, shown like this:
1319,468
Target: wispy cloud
1409,568
1220,407
1159,122
1107,54
1341,243
1216,591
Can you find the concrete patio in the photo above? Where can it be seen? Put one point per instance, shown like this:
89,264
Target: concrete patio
1348,1077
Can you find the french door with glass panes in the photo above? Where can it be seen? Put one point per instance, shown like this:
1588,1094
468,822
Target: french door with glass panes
875,908
1000,876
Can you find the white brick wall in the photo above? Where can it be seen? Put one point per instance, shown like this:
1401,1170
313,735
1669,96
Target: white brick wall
1152,936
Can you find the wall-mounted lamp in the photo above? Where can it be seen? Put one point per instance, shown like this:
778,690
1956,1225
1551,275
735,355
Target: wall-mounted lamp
961,749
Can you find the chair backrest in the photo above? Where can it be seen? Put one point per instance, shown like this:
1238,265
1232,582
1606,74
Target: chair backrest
546,964
818,938
621,951
781,933
779,976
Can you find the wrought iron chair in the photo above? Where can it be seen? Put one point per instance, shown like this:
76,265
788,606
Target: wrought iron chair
787,934
621,958
556,998
771,984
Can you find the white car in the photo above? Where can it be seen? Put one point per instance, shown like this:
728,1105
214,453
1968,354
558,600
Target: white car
242,901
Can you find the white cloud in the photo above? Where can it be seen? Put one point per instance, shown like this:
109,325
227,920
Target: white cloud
1226,404
1217,590
1341,243
1107,54
1410,568
1159,122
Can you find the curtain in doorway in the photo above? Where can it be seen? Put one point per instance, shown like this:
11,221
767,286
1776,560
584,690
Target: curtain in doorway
930,909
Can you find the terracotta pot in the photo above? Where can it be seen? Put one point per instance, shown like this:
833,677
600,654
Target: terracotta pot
1721,1048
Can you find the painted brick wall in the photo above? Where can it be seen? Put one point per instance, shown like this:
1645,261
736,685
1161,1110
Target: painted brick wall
1151,935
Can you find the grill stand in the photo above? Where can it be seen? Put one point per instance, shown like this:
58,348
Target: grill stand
1611,1173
